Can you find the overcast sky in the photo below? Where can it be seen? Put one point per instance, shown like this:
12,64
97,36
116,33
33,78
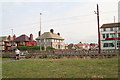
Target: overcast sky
73,19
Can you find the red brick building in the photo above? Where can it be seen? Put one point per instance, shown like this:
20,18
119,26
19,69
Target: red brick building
24,40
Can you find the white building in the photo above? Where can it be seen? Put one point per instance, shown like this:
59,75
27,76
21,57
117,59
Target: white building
51,39
110,36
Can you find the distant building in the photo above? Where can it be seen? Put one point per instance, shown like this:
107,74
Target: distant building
24,40
2,43
51,39
5,43
93,46
71,46
110,36
66,46
81,46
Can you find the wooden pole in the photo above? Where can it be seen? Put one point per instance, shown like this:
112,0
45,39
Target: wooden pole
99,42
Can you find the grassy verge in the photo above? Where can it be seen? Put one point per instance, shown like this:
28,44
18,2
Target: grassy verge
61,68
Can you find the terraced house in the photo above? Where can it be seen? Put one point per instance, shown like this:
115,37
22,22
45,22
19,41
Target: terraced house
50,39
110,36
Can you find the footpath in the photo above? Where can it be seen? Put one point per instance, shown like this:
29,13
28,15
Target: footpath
7,61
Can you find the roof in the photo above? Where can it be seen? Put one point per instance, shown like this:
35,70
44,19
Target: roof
110,25
3,38
22,38
49,35
82,44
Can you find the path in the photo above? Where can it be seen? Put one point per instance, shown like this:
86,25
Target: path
7,61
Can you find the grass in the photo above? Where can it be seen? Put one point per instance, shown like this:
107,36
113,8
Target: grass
61,68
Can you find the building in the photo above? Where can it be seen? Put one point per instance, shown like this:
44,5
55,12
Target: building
71,46
83,46
5,43
24,40
93,46
110,36
2,43
51,39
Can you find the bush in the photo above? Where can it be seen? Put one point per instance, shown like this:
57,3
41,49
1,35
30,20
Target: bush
49,48
29,48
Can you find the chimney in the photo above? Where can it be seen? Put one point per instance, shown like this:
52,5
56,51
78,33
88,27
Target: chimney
51,30
9,38
14,36
31,36
58,34
39,33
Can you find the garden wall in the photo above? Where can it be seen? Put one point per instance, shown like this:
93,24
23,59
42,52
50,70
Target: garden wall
68,54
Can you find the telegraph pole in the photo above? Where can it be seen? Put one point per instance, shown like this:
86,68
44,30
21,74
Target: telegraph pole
99,42
115,34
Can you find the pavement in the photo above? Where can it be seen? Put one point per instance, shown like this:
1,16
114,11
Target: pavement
7,61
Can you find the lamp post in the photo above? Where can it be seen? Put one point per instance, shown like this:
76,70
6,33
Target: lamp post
40,32
12,40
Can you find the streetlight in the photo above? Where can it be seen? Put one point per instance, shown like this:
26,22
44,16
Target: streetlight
12,40
40,31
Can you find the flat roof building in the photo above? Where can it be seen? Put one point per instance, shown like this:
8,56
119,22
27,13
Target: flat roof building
110,36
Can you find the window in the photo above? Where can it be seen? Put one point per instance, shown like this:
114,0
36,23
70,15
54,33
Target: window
58,46
104,29
112,35
111,45
41,40
107,35
103,35
118,44
118,35
22,43
108,45
111,29
55,40
118,29
48,40
52,40
105,45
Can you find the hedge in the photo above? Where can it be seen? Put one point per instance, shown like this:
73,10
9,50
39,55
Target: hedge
32,47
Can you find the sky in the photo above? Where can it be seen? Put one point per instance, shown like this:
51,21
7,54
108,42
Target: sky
75,20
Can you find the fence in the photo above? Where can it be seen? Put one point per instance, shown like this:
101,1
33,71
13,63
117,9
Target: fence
68,54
